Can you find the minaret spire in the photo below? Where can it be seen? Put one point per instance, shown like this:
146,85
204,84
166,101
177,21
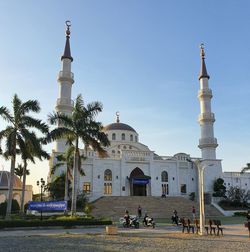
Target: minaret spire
67,54
208,142
65,79
203,71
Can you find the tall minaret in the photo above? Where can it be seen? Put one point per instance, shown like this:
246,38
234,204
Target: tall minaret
65,79
207,142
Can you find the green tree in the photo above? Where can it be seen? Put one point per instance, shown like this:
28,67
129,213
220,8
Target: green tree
32,148
80,126
19,171
56,188
247,168
219,188
238,196
17,132
67,159
14,207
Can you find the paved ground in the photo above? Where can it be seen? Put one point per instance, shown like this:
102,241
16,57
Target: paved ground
145,239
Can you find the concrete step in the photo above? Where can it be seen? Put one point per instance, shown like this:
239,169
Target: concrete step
156,206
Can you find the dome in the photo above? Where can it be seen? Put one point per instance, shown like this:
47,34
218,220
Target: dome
4,180
118,126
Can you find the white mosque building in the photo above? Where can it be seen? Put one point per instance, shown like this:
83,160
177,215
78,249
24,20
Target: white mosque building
132,168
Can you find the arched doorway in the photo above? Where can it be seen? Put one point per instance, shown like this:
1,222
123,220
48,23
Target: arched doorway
138,182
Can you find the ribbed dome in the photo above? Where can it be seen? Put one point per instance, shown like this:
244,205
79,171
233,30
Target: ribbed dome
118,126
4,180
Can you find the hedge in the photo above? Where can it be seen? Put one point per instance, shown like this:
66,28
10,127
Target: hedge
49,223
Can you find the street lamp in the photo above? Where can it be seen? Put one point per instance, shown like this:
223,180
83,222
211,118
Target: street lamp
201,167
42,185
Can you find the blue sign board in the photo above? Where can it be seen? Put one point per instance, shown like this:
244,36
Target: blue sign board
47,205
140,181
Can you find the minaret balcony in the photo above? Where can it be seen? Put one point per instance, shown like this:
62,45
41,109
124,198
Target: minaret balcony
205,93
65,76
208,142
208,117
65,102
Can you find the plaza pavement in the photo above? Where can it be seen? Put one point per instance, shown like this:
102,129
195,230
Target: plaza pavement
162,238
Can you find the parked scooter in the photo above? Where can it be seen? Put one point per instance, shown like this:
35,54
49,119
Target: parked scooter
131,221
148,221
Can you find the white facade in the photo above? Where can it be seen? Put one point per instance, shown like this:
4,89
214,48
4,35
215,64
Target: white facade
132,168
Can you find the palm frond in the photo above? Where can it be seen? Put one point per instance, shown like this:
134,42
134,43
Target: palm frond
35,123
247,168
61,119
30,105
59,133
5,114
16,102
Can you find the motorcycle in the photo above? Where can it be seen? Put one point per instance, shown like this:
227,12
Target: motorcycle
132,221
148,222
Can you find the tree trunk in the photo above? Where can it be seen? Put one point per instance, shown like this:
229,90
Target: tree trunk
66,192
11,181
23,186
74,183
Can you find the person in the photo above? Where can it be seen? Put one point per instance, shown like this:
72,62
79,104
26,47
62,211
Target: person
127,217
248,222
193,212
139,211
145,219
175,217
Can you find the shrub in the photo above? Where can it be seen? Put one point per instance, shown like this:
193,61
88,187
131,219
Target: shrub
15,208
240,214
57,222
219,188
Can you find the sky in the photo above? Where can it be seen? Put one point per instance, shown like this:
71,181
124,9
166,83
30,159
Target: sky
138,57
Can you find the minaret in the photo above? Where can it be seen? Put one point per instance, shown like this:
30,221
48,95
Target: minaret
207,142
65,79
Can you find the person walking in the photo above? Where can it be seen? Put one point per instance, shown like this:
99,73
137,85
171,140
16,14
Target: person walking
193,212
139,210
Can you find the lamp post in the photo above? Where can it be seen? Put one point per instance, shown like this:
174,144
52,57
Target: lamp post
201,167
42,185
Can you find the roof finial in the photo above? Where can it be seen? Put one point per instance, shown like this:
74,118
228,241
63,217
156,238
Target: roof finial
68,24
202,51
203,72
117,116
67,53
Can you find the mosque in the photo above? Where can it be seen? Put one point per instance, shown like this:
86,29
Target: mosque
132,168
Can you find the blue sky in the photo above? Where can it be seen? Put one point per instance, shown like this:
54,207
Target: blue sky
139,57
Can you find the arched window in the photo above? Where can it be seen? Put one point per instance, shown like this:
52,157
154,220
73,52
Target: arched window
108,175
107,185
136,138
123,136
131,138
164,176
113,136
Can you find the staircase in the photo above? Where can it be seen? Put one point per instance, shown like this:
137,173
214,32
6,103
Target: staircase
114,207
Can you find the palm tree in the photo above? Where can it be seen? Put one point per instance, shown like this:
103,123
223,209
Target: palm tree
32,148
17,132
247,168
19,171
80,126
67,158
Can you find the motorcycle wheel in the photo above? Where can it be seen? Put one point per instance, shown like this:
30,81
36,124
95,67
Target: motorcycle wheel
124,225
